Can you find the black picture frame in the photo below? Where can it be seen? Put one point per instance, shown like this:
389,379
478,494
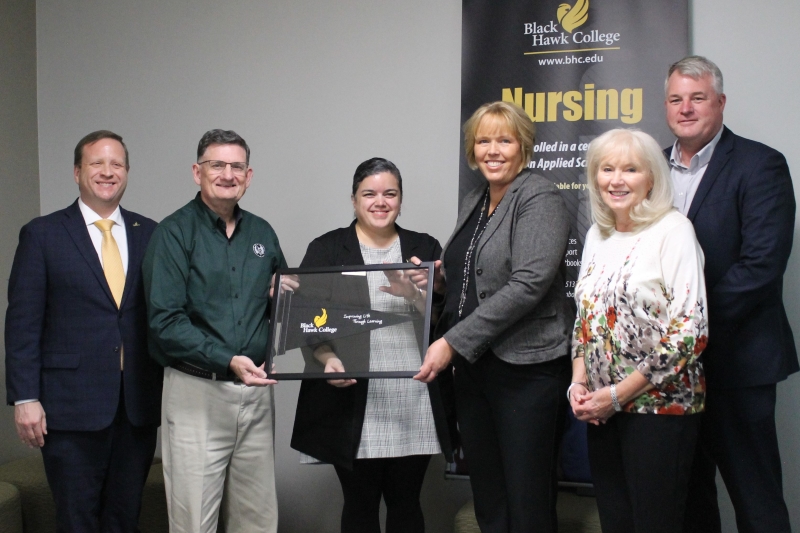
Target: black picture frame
285,329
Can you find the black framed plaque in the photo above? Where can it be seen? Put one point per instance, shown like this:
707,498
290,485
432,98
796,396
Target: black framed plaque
372,318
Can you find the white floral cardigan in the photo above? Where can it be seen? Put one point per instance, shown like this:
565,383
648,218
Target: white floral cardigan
641,306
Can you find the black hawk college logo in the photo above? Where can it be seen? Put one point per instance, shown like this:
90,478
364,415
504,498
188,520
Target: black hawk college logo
259,249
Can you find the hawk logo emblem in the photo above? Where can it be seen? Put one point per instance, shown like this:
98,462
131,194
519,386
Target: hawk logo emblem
571,17
320,321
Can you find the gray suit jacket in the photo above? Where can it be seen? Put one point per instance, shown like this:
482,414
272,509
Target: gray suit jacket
523,314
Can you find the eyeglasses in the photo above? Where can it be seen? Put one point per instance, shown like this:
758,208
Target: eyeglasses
218,167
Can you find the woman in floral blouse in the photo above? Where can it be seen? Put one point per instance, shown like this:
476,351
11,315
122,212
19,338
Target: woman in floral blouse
640,328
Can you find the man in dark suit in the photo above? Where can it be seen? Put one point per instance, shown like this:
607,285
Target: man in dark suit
738,194
76,346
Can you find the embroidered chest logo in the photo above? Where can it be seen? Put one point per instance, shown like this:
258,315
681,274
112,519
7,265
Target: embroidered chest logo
259,249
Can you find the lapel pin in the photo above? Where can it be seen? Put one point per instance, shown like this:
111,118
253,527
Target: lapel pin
136,224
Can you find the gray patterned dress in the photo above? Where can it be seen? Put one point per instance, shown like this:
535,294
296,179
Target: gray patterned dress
398,420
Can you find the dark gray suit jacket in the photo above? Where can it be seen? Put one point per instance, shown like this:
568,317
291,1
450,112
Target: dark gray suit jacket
523,315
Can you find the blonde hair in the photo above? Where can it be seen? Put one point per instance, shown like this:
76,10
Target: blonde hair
629,145
510,115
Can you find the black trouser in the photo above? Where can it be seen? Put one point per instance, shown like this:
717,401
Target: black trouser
398,480
738,435
640,470
511,418
97,477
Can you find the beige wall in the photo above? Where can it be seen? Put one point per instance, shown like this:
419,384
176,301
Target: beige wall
314,87
19,164
755,46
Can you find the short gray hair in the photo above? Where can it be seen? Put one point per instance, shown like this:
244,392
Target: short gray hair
218,136
635,146
696,67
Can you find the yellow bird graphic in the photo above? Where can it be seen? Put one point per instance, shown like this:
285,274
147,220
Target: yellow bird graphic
571,17
319,321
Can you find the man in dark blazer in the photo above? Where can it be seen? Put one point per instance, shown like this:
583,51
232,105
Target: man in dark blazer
78,372
738,194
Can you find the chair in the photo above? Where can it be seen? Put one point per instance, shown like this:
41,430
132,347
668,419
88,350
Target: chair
10,509
35,508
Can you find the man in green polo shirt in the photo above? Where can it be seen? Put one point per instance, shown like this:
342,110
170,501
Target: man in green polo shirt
207,275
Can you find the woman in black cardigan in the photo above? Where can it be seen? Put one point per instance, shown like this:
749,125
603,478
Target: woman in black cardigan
364,427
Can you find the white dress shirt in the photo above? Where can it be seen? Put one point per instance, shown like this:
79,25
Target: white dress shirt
117,230
685,180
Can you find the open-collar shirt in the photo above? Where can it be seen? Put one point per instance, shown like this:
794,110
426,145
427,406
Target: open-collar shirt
685,180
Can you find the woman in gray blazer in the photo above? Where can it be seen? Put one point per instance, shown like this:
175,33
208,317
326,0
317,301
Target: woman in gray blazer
505,325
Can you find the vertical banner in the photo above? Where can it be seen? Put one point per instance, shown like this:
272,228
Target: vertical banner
578,69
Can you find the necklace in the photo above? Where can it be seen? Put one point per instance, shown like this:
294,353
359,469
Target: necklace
476,236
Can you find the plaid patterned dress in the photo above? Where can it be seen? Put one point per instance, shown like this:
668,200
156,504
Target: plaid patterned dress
398,420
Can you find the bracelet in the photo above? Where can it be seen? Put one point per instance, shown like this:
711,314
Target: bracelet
614,399
569,399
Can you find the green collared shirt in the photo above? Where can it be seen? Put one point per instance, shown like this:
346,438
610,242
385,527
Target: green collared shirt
208,295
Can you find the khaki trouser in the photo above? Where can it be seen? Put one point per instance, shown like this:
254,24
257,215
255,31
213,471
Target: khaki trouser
217,437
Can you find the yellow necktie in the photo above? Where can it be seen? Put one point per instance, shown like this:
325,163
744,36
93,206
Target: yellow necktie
112,267
112,261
